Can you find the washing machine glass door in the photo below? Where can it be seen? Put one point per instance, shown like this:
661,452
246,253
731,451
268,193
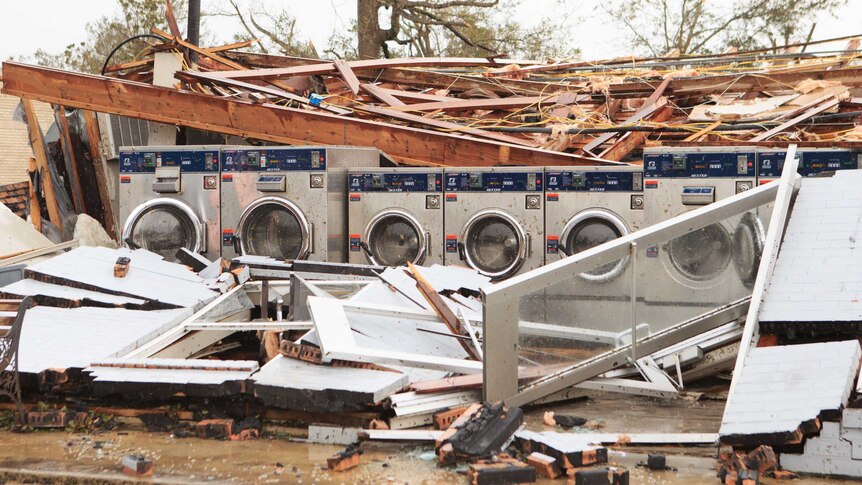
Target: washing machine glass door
163,226
703,254
588,229
748,240
394,238
494,243
274,227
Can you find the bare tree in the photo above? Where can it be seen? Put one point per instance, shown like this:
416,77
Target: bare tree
274,32
456,27
703,26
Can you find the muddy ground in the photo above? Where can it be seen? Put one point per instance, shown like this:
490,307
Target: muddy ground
95,457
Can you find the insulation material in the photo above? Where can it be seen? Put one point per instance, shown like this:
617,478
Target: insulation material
89,232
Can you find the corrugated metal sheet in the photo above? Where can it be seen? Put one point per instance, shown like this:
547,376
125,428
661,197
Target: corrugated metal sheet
816,277
149,275
781,387
74,337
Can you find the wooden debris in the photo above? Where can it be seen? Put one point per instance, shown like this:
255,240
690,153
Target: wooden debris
546,466
500,471
344,460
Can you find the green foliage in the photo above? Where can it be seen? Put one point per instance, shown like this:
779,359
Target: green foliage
135,17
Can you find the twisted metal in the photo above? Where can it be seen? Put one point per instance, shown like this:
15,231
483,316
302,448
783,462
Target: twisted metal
10,386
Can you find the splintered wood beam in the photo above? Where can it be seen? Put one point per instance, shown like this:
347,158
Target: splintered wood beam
445,125
41,155
701,133
514,102
381,95
35,208
633,140
347,75
172,20
268,122
326,67
647,110
93,136
829,103
71,160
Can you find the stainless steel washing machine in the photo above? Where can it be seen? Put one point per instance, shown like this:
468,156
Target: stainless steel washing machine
169,199
494,219
288,202
396,216
812,161
719,262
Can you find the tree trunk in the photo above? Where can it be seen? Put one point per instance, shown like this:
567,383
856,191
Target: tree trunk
368,29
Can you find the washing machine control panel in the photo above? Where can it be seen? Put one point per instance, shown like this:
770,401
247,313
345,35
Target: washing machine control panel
395,182
770,163
186,160
699,164
273,160
494,182
575,181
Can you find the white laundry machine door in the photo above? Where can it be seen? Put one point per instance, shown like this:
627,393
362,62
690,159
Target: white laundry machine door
274,227
494,243
395,237
163,226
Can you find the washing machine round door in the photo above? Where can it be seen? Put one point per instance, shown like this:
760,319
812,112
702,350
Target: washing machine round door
494,244
703,254
588,229
395,237
163,226
274,227
748,240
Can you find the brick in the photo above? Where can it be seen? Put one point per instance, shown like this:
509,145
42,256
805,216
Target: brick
546,466
344,460
215,428
500,472
137,466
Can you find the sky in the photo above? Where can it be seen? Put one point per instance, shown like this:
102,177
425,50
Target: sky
53,24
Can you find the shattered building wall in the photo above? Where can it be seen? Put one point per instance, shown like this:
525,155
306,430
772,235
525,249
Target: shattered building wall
14,147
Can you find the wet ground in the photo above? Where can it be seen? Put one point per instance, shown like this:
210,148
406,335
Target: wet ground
191,460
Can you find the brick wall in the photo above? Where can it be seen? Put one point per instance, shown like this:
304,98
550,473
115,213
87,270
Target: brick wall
14,146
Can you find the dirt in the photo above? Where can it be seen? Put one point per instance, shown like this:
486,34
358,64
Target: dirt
189,460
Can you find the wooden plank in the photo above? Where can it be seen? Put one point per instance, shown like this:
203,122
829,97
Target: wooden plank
71,161
829,103
41,155
381,94
634,140
330,67
266,122
94,137
172,20
442,310
513,102
445,125
347,75
703,132
35,207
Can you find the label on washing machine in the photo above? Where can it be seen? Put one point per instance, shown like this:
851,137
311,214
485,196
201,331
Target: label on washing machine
699,164
273,159
355,241
189,161
553,245
577,181
451,243
227,237
652,251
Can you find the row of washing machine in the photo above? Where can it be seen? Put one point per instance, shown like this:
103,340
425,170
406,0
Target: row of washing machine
337,204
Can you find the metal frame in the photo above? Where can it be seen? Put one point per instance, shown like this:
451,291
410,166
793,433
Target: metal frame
411,219
501,302
199,227
304,227
523,250
789,184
